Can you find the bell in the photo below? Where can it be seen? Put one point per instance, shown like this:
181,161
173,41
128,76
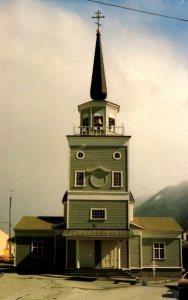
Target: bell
99,121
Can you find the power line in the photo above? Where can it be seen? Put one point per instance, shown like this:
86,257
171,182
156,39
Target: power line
141,11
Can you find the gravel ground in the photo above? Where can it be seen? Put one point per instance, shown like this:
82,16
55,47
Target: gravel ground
44,287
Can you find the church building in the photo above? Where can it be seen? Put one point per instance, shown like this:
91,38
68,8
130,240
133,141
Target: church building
98,229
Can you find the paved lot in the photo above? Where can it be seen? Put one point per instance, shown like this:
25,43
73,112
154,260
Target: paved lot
43,287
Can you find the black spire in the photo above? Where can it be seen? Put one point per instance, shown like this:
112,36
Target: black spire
98,89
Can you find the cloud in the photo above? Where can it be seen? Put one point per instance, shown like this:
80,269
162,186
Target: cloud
46,58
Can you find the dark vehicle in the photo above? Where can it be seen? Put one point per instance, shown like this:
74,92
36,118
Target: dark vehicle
183,287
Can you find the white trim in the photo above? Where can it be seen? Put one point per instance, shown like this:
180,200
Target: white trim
91,193
121,184
119,254
141,252
98,140
164,248
117,158
75,178
41,247
80,152
77,254
98,208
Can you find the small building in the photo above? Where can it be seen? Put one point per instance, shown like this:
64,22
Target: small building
4,245
99,230
38,244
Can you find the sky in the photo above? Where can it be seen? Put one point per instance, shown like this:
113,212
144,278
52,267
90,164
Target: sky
46,59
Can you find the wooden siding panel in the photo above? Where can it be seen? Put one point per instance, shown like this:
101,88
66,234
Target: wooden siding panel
134,252
98,157
172,252
23,252
79,214
124,254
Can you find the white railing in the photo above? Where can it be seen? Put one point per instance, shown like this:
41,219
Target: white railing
87,130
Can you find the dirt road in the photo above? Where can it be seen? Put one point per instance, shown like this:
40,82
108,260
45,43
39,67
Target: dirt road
44,287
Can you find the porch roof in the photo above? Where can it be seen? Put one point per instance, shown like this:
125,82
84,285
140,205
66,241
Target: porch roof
97,233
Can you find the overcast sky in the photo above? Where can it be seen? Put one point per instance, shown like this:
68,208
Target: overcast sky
46,58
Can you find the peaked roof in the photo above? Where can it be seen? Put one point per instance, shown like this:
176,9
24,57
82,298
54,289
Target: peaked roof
157,224
38,223
98,89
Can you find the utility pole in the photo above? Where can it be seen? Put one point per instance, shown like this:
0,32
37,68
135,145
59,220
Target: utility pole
10,221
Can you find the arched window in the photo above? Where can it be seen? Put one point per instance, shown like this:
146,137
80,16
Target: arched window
111,121
85,120
98,120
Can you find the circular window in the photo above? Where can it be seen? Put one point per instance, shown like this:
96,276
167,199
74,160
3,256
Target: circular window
98,179
80,155
116,155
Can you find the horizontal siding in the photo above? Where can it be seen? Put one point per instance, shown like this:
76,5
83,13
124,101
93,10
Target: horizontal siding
23,248
124,254
98,157
134,254
23,252
172,252
79,214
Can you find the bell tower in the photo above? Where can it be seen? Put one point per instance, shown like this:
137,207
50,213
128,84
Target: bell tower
98,205
98,117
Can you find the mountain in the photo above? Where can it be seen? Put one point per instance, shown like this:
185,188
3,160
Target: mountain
172,201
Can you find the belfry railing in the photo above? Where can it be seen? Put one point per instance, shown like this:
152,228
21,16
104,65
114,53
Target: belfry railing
98,131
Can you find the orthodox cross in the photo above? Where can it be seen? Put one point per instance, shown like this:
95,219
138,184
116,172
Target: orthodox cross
98,17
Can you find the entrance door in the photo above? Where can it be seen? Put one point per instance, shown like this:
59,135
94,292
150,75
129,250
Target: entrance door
109,254
86,252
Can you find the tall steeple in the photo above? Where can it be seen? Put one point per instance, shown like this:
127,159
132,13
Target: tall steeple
98,89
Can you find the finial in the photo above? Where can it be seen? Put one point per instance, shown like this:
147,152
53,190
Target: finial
98,17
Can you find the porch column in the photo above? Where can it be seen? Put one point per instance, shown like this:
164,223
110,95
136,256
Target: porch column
119,254
77,255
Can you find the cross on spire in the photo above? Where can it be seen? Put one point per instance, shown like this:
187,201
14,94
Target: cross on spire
98,17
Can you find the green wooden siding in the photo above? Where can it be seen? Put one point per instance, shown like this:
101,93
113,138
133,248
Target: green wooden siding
134,254
172,252
79,214
23,252
124,254
98,157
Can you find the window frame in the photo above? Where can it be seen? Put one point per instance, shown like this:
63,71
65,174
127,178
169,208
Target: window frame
98,218
37,248
158,255
80,152
113,179
76,179
114,155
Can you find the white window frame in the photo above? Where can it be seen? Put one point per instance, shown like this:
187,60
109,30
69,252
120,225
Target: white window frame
33,247
98,209
158,249
114,155
80,152
113,177
75,179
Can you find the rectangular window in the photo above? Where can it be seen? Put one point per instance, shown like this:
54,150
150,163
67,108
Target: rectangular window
79,178
158,250
37,249
98,214
117,179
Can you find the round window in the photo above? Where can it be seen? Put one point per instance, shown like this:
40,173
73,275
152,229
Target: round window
98,179
116,155
80,155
